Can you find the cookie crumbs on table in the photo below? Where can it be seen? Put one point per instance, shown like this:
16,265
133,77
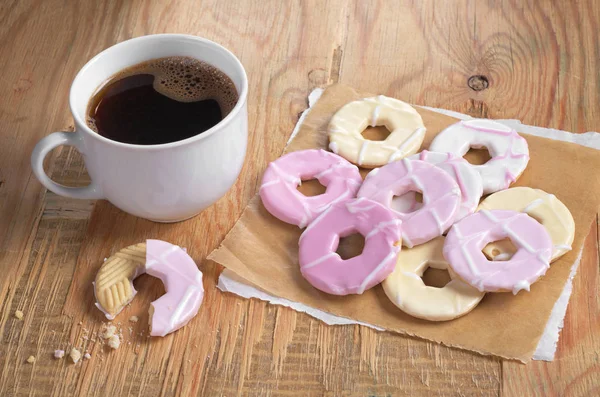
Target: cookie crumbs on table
31,359
114,342
75,355
87,356
133,319
19,314
58,354
109,331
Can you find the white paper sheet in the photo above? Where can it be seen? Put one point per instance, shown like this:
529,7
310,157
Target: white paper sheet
229,282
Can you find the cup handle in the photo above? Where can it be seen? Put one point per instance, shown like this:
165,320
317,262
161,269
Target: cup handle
43,147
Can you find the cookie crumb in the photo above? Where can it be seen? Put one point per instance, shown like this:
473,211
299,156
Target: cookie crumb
134,319
19,315
31,360
109,331
114,342
75,355
87,356
59,354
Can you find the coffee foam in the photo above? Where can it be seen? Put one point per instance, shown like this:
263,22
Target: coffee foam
187,79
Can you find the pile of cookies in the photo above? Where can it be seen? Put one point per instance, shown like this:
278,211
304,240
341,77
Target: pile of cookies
451,229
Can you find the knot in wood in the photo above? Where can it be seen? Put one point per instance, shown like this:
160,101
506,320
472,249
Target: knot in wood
478,82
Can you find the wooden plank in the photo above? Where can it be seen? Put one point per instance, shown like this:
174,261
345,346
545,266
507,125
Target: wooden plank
42,57
540,61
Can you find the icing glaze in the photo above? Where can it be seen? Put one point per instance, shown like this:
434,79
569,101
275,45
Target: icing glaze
441,197
402,120
405,287
281,198
508,150
467,238
465,176
183,286
322,267
543,207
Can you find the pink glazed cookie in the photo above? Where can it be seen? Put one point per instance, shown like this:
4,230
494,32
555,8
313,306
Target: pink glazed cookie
441,197
465,176
326,270
183,286
467,238
281,197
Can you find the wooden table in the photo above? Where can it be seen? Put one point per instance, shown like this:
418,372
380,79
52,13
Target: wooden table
536,61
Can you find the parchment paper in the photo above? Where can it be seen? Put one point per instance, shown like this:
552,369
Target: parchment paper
262,251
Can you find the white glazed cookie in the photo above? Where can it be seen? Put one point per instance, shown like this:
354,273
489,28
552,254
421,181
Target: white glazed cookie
508,150
402,120
543,207
405,288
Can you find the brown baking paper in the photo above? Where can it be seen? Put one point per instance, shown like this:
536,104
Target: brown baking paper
264,250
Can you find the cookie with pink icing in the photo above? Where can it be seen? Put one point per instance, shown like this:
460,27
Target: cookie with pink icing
322,267
508,150
465,176
441,197
281,197
183,286
467,238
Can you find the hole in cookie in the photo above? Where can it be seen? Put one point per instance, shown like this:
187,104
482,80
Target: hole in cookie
477,156
436,278
407,202
311,188
501,250
350,246
379,133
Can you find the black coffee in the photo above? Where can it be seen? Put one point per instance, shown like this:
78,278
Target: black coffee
161,101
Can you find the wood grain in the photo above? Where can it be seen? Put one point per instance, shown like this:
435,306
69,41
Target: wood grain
541,61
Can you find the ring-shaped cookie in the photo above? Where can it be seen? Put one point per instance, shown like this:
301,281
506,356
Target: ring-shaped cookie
465,176
541,206
467,238
508,150
281,197
408,292
322,267
113,286
441,197
402,120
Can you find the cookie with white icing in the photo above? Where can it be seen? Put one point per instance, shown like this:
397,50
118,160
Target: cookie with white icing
402,120
406,289
508,150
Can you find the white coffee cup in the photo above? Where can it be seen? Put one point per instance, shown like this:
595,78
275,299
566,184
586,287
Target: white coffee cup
168,182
